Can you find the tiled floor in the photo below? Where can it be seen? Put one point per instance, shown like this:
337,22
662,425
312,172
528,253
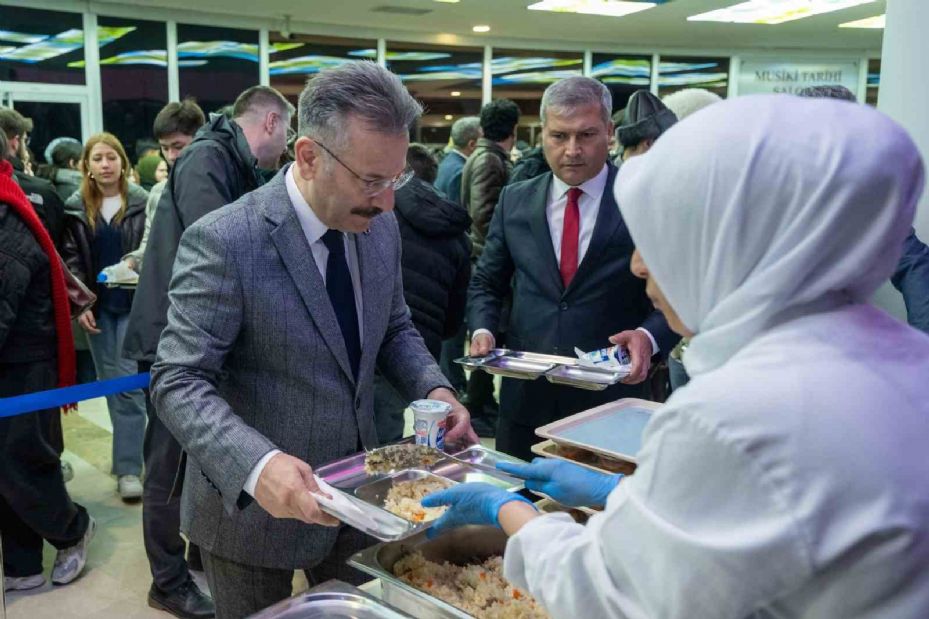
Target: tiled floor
116,581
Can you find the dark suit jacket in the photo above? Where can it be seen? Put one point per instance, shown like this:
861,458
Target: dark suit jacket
253,359
912,280
604,298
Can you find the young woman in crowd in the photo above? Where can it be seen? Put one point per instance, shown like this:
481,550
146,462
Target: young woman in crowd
106,220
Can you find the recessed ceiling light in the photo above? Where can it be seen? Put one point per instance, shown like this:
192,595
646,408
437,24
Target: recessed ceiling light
774,11
612,8
455,93
448,117
481,28
449,1
869,22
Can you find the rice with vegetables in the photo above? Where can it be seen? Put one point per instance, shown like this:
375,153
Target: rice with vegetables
479,589
403,499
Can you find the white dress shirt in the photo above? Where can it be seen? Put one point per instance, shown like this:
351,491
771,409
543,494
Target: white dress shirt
314,230
589,207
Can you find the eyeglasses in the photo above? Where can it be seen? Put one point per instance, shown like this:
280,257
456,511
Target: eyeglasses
374,187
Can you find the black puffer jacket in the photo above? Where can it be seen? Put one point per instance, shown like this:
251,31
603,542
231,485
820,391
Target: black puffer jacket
27,324
436,260
77,250
216,169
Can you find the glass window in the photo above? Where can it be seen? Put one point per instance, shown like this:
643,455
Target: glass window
874,81
296,58
216,64
623,75
523,75
678,73
41,46
446,80
134,78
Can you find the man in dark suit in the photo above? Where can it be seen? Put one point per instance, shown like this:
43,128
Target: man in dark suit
561,240
281,305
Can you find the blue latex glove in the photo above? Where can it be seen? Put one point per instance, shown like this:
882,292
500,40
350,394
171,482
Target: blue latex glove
569,484
474,503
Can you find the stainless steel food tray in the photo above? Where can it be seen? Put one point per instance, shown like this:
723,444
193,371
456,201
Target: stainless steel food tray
460,546
367,492
333,599
613,430
555,368
584,378
583,457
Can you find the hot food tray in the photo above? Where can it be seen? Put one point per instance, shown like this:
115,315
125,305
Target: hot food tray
332,599
555,368
362,494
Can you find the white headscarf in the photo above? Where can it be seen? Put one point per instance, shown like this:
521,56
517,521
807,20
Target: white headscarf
765,208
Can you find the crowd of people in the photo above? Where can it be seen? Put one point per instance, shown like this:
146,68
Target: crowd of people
297,289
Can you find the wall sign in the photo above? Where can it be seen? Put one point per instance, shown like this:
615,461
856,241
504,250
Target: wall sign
765,76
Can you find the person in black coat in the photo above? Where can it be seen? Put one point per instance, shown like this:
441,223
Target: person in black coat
559,242
436,268
34,356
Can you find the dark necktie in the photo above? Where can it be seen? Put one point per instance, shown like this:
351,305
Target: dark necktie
342,296
569,236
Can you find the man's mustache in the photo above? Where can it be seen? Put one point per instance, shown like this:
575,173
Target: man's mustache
369,213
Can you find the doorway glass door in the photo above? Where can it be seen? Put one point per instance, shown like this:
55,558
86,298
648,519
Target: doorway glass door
53,114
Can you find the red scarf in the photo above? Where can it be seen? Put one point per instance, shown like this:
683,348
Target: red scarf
12,194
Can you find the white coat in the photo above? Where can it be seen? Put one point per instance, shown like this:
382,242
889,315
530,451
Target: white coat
790,478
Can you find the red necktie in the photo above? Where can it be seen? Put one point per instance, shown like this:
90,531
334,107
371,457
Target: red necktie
569,236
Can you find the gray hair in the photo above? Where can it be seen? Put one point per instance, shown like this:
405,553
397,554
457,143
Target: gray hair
574,92
359,88
464,130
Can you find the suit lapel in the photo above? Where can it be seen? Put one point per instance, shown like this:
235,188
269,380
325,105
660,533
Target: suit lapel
538,226
608,222
290,242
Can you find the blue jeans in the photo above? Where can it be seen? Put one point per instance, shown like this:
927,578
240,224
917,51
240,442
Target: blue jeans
127,409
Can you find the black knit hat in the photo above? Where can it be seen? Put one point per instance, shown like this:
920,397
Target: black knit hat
646,118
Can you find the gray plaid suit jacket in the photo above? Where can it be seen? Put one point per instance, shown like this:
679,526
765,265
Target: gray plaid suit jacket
253,359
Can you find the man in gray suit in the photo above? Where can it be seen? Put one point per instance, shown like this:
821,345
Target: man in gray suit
281,306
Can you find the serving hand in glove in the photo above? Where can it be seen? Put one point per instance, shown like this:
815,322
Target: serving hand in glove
566,483
479,503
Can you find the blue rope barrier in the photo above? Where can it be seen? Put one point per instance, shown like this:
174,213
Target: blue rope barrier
42,400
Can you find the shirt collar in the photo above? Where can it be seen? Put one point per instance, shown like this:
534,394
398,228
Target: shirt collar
593,187
313,228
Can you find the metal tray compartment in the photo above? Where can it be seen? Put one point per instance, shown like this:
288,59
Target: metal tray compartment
584,378
333,600
465,473
514,367
483,457
375,492
460,546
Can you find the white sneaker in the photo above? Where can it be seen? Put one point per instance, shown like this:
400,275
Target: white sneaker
129,487
23,583
70,561
67,471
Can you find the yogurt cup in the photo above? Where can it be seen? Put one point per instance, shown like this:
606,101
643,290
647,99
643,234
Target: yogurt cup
429,418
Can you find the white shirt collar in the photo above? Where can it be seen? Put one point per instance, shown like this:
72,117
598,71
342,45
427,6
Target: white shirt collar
593,187
313,228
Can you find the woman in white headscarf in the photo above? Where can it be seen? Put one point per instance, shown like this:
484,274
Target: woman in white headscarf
791,477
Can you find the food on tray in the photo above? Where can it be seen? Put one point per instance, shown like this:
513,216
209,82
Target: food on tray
399,457
615,466
403,499
479,589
